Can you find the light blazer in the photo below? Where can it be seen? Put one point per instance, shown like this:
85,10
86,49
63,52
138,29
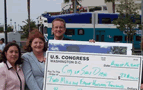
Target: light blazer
33,72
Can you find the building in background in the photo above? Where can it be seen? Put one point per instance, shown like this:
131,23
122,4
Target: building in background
87,6
97,5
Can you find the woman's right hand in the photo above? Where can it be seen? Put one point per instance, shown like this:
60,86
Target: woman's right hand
141,86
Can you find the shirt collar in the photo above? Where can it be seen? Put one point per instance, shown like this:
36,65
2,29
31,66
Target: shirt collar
9,66
61,39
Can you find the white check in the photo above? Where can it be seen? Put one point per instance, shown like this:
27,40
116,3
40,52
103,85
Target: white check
83,71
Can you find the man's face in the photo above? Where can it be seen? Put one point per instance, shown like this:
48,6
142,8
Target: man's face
58,29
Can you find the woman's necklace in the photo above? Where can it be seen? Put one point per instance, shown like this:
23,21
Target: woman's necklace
41,61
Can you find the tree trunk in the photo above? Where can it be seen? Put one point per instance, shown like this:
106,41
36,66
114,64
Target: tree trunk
127,25
73,5
131,34
126,3
28,7
113,4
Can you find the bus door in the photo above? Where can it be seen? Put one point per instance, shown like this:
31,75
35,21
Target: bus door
100,35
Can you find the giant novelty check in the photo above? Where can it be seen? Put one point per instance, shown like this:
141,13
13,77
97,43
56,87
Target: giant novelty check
83,71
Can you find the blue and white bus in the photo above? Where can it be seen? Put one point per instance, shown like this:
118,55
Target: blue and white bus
93,25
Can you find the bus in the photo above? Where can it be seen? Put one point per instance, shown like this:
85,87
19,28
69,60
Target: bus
94,25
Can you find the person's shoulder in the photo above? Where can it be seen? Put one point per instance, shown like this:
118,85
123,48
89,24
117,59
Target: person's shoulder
26,54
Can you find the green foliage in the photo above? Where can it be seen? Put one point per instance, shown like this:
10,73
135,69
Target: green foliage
9,29
1,29
26,28
128,13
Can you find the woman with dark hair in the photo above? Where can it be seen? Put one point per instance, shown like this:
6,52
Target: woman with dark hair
34,60
11,74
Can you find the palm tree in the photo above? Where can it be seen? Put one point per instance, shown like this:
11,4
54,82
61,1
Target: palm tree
113,4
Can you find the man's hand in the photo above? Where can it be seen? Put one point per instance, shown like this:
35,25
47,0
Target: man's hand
44,60
91,40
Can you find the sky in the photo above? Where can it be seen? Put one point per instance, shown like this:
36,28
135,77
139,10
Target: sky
17,9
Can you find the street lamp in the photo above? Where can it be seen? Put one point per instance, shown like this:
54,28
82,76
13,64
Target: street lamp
5,22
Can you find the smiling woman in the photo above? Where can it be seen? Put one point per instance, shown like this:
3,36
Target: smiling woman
11,74
34,60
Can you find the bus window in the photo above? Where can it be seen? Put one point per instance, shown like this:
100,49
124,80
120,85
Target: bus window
97,37
80,31
117,38
97,8
45,21
102,38
128,38
138,38
106,21
70,32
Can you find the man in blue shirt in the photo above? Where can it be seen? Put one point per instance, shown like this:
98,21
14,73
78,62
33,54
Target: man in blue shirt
2,44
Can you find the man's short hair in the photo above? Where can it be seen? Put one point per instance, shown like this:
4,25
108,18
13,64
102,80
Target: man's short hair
59,19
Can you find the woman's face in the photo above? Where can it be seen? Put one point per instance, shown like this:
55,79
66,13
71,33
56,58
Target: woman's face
12,54
37,45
